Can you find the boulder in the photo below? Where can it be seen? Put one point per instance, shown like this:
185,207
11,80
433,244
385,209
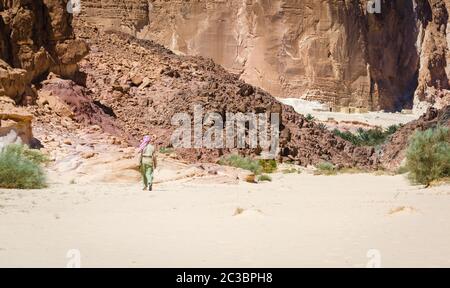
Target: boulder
15,124
137,79
47,98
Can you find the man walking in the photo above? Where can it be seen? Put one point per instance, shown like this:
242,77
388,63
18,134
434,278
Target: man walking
147,162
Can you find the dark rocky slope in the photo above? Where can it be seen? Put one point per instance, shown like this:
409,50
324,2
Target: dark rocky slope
145,84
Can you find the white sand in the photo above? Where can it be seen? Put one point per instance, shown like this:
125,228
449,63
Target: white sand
381,119
295,221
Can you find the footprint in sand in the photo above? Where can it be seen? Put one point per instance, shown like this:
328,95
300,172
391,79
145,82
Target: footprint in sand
247,212
402,210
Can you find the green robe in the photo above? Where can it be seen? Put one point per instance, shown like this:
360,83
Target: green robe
147,165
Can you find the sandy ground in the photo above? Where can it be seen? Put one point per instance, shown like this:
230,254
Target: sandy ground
298,220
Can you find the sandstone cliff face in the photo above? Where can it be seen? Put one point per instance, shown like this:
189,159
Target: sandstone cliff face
36,38
332,51
434,41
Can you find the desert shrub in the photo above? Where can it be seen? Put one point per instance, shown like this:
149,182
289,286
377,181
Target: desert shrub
309,117
322,126
402,170
370,137
241,162
291,171
264,178
34,156
428,155
268,165
392,129
346,135
21,168
326,168
351,170
166,150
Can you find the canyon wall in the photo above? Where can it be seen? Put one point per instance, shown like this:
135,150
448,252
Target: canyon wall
36,38
333,51
433,42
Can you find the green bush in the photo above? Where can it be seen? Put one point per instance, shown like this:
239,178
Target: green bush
242,162
21,168
34,156
322,126
352,170
264,177
402,170
371,137
268,165
309,117
291,170
392,129
166,150
326,168
428,155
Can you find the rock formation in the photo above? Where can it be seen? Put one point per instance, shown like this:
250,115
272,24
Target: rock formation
36,38
143,85
332,51
433,40
395,150
65,98
15,124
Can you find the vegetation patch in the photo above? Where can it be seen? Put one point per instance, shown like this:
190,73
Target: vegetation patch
242,162
402,170
264,178
428,155
371,137
21,168
322,126
291,171
383,172
326,168
268,166
166,150
310,118
352,170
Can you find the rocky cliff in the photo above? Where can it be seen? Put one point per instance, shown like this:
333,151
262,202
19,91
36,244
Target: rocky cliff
433,42
332,51
36,38
143,99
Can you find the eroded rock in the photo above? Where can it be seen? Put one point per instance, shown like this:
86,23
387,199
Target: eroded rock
15,124
36,38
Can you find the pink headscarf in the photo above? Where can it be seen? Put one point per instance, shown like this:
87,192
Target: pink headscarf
144,143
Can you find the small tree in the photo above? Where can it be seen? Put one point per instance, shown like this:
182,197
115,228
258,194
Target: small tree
428,155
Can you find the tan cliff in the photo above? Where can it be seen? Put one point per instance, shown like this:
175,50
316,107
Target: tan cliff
36,38
332,51
433,42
